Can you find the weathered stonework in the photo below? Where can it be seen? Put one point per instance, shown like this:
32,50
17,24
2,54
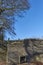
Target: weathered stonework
19,50
23,51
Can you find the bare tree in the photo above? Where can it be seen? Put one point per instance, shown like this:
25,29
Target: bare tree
8,10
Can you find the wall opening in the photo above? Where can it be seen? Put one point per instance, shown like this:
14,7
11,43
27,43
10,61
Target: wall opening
22,59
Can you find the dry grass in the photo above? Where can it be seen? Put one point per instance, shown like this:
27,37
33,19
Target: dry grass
2,58
2,63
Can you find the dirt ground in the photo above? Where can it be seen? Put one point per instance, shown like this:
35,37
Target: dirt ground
32,63
36,63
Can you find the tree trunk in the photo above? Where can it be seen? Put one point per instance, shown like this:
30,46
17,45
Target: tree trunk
1,34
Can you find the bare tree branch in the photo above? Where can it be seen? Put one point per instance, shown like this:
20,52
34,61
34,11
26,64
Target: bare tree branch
8,9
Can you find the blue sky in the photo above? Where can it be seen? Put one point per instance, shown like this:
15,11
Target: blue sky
31,25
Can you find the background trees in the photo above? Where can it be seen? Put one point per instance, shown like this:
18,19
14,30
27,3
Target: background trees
8,10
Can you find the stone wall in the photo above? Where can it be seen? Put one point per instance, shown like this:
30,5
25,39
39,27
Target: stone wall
33,48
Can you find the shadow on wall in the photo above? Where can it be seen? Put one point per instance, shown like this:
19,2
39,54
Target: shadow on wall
26,45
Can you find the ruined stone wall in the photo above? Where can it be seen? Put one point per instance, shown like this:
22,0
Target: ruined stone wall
33,48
